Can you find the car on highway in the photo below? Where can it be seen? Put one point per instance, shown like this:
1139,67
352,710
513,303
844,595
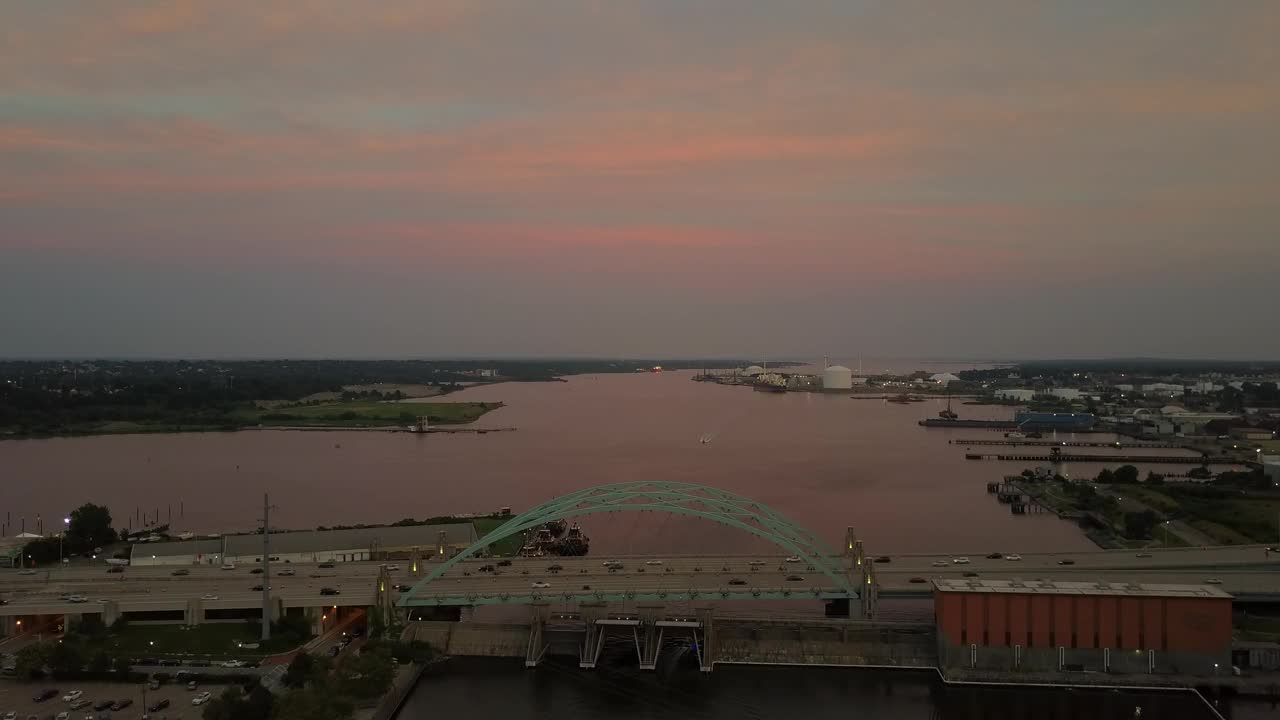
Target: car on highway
1066,561
995,556
115,569
77,599
960,561
555,568
209,596
202,698
326,565
46,694
27,571
793,559
917,580
233,664
501,563
607,563
119,705
486,569
940,563
401,587
258,588
329,591
287,572
795,578
756,563
256,571
228,566
652,562
971,574
158,705
539,585
391,568
103,705
180,572
884,559
1143,555
1213,581
737,581
1013,556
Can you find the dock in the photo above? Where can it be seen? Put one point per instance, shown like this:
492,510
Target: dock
1068,443
434,430
1065,457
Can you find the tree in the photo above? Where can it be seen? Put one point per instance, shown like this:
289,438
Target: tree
1139,526
312,704
30,661
100,662
122,665
66,658
377,628
366,675
305,668
233,704
1106,476
90,527
1126,474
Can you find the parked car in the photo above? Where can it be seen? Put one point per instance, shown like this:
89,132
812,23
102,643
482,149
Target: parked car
103,705
158,705
326,565
539,585
202,698
737,581
45,694
180,572
72,696
121,704
287,572
81,703
1066,561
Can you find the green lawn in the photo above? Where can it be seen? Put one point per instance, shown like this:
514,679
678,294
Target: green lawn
366,413
208,639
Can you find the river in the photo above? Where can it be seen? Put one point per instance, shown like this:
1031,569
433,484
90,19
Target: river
826,461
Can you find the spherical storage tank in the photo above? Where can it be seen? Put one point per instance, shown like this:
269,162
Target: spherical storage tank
753,371
837,377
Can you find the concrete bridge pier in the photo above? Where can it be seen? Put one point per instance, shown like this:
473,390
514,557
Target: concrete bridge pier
10,627
537,646
706,646
110,612
193,613
593,638
868,591
649,637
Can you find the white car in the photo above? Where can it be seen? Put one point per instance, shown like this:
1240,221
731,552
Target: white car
11,715
391,568
652,562
28,571
64,715
539,585
74,695
233,664
228,566
756,563
202,698
209,597
960,561
1013,556
77,599
939,563
793,559
607,563
287,572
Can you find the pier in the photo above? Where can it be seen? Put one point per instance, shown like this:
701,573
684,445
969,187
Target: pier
1068,443
1064,457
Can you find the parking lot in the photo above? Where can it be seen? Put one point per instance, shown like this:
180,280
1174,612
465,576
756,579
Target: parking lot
17,697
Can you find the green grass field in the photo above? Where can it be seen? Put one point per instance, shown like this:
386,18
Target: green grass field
506,547
366,413
214,640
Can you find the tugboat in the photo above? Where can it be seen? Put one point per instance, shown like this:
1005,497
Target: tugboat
948,414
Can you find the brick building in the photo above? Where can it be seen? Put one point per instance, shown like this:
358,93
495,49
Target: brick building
1062,626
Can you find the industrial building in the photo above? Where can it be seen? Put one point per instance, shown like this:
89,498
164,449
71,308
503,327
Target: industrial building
837,377
1065,393
753,371
1045,626
381,543
1018,394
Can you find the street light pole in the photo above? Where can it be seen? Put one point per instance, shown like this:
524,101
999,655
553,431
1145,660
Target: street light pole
66,524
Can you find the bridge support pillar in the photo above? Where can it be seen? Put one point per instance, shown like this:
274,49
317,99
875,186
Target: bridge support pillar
537,647
442,546
868,591
110,612
706,648
193,614
10,626
649,636
593,638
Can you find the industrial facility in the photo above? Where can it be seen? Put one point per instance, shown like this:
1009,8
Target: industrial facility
837,377
380,543
1090,627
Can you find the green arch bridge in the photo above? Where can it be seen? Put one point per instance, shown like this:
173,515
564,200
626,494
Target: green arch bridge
813,569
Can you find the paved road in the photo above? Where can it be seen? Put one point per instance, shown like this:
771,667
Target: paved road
1242,569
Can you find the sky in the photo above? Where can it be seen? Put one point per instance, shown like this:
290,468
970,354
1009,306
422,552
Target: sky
748,178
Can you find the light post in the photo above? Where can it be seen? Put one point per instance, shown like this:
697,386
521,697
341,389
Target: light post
66,524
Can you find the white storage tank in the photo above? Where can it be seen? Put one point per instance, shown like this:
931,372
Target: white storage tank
753,371
837,377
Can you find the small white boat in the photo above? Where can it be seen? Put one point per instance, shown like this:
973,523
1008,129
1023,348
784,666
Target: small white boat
706,438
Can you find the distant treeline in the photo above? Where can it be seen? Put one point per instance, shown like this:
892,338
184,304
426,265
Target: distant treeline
38,397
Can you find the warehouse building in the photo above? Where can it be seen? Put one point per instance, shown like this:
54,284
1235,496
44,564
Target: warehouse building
1018,394
1043,626
356,544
